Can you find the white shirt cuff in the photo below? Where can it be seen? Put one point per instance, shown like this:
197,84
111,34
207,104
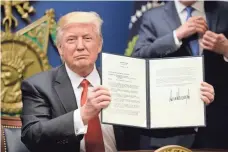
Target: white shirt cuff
177,42
226,59
79,127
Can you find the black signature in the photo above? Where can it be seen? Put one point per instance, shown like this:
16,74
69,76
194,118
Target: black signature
185,97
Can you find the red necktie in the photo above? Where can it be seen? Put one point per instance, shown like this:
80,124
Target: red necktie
93,137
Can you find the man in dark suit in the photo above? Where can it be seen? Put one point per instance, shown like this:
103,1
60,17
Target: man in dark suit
61,107
190,28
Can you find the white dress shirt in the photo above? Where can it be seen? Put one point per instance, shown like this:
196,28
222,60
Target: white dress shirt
182,13
79,127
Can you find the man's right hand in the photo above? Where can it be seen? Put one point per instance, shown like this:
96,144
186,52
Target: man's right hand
193,25
97,99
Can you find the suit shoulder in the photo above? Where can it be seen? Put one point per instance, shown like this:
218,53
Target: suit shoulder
220,6
43,77
223,5
154,11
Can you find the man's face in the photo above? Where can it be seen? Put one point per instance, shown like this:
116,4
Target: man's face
80,45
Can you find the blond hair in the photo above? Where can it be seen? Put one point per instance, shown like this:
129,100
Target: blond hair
78,17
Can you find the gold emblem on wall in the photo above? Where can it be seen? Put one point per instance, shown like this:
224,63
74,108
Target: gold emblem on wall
23,53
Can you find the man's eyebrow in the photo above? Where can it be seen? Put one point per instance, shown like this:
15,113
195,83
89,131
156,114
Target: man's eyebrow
88,34
71,35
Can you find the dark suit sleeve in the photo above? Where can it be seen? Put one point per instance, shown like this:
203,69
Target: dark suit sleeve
148,44
39,129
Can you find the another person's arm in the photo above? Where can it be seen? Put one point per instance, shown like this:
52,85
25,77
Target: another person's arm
149,45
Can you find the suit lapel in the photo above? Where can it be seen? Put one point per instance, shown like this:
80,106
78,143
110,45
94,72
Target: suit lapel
211,15
172,18
64,89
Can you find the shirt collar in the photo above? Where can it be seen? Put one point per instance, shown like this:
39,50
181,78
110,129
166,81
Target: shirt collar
76,79
198,5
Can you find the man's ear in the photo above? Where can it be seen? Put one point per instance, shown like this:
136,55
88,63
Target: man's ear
100,47
59,47
60,52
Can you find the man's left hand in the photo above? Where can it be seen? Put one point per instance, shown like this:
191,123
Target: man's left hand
214,42
207,93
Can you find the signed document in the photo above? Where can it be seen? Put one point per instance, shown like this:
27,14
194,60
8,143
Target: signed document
153,93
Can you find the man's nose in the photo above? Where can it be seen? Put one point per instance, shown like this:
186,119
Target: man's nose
80,45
